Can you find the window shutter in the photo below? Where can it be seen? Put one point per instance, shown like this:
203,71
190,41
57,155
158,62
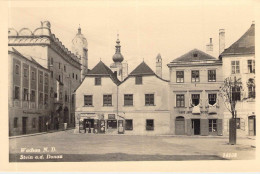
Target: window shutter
204,127
189,127
219,126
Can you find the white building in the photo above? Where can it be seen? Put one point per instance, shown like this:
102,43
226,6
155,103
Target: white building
239,61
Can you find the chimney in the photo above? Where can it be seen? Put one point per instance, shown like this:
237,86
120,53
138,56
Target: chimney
221,40
209,47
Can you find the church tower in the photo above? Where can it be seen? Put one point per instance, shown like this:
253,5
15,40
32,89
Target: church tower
159,65
80,48
119,68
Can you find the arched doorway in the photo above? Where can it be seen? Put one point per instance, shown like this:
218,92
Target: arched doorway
66,115
180,125
251,126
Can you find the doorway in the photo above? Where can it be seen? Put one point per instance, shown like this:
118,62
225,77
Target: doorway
251,126
195,123
24,125
88,124
180,125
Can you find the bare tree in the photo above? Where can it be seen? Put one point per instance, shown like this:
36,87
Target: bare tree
231,91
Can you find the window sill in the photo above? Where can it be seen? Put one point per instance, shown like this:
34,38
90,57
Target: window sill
149,105
180,107
128,105
107,105
128,129
88,106
149,130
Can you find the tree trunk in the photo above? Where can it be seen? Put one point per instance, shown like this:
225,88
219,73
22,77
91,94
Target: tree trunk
232,131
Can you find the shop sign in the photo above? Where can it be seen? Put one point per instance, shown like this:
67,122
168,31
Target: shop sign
111,116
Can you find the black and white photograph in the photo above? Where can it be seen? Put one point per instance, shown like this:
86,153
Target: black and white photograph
131,81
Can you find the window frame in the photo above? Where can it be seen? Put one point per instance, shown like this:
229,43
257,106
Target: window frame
180,100
106,100
179,77
210,97
251,66
129,98
25,72
25,95
17,97
148,127
33,99
210,75
192,97
197,76
138,80
235,67
97,81
238,123
213,125
149,99
88,100
130,128
17,69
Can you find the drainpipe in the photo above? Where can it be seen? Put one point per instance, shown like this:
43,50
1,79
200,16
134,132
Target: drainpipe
117,100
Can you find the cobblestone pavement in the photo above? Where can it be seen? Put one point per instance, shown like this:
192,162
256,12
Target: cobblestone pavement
89,147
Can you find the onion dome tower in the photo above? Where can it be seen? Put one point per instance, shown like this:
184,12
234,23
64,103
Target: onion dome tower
117,57
80,48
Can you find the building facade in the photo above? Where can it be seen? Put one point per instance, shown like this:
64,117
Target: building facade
195,78
28,96
239,61
64,67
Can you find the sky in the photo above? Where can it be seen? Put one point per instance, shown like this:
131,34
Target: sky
145,28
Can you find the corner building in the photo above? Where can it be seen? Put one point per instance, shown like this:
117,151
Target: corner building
196,109
64,73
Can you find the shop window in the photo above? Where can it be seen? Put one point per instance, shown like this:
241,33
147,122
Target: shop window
17,69
195,76
251,66
25,94
212,99
107,100
149,99
238,125
138,80
195,98
97,81
235,67
33,96
236,95
17,92
180,100
128,99
212,125
179,76
15,122
34,123
88,100
149,124
128,124
211,75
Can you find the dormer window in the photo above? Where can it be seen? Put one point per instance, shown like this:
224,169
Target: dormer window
138,80
195,55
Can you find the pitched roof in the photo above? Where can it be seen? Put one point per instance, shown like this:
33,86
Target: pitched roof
102,70
194,55
244,45
142,69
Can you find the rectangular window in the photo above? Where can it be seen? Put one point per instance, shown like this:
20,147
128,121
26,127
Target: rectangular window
17,92
251,66
236,95
97,80
179,76
149,124
15,122
46,80
180,100
88,100
238,123
195,76
34,123
17,69
33,75
128,124
212,99
195,99
128,99
107,100
25,72
235,68
211,75
41,79
149,99
64,68
46,99
33,96
40,98
25,94
138,80
212,125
